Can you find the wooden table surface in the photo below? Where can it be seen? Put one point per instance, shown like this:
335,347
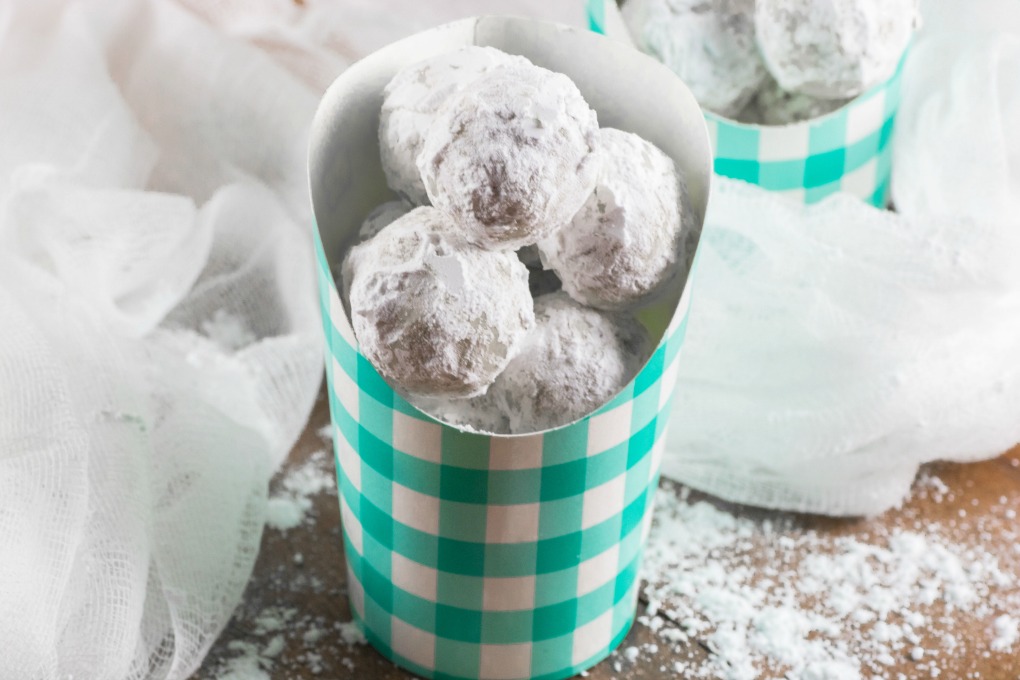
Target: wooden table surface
305,597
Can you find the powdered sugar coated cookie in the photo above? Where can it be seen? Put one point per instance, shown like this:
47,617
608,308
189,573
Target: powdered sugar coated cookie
513,157
435,315
410,102
833,49
708,43
574,361
626,244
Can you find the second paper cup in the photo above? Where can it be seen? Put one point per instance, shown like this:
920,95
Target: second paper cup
494,557
848,150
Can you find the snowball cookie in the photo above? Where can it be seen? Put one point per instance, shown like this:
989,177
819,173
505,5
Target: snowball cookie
708,43
833,49
626,244
513,157
575,360
411,100
775,106
476,414
435,315
381,216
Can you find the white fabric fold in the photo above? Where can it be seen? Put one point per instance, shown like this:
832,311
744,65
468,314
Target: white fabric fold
161,348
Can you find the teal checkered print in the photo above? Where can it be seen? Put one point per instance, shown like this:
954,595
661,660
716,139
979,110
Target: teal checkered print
469,556
849,150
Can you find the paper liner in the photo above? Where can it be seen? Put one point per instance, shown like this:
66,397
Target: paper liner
848,150
494,557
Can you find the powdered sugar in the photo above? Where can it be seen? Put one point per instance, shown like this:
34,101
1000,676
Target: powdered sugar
383,215
277,627
768,596
351,633
476,414
1007,631
229,331
289,506
247,664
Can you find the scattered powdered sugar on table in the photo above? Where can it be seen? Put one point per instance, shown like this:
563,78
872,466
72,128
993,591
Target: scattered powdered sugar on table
325,432
289,506
274,628
768,598
248,664
1006,633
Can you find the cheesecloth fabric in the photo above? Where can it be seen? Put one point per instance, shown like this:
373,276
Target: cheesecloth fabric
159,348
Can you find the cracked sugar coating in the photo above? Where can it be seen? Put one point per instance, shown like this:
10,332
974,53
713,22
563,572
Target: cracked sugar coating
410,102
833,49
626,244
709,43
382,216
513,157
775,106
575,360
435,315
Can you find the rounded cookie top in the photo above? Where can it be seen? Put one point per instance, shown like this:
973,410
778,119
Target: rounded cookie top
435,315
709,43
513,157
575,360
410,102
626,244
833,49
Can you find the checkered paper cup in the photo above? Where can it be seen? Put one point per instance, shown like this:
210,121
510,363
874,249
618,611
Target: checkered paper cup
475,556
848,150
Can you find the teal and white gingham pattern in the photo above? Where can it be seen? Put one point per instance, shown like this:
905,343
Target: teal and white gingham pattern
848,150
505,558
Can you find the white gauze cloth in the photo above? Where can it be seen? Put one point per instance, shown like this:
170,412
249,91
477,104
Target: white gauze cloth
833,349
160,347
159,340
